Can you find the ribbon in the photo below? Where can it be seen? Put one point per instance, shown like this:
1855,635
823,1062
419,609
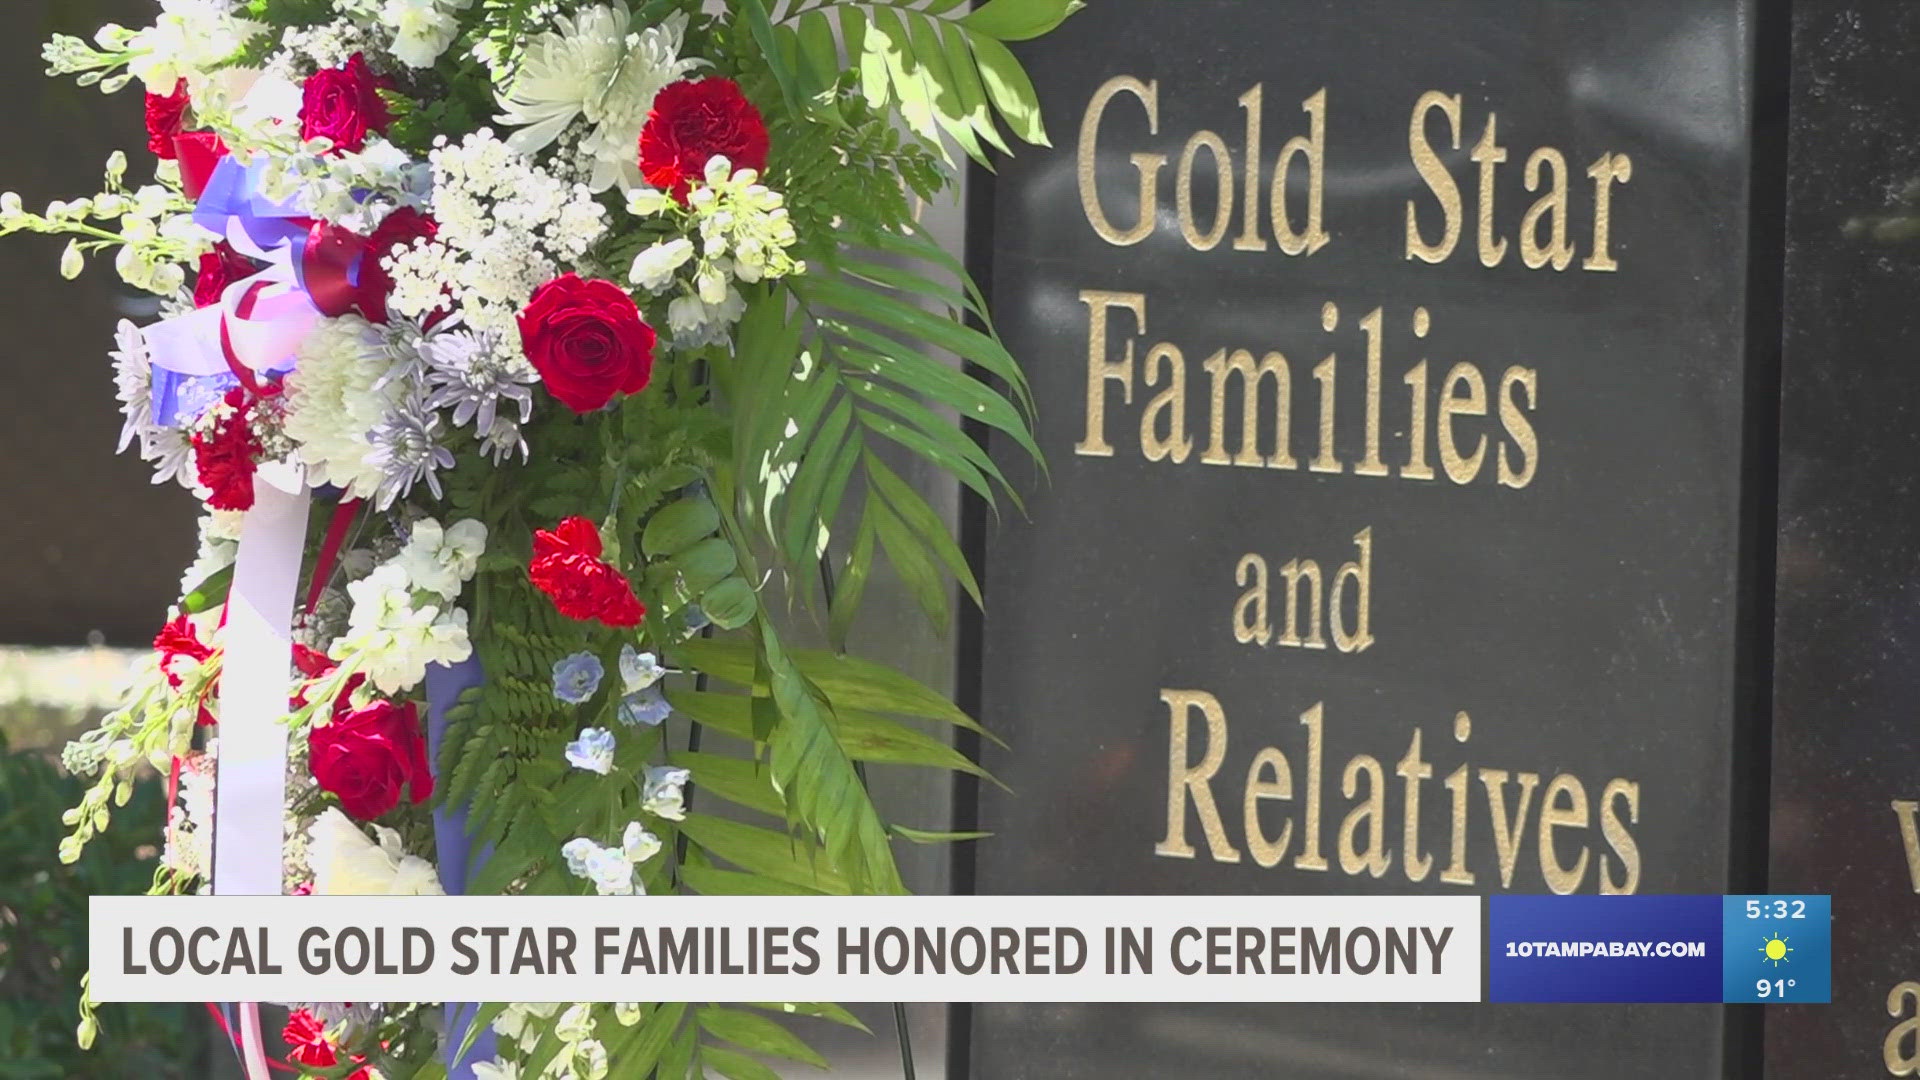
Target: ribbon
250,792
452,847
312,272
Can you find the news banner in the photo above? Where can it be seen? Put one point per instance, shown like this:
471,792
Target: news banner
1767,949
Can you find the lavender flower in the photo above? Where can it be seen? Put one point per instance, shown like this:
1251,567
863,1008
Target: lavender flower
577,678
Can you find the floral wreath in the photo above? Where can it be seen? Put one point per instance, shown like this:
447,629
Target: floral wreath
523,352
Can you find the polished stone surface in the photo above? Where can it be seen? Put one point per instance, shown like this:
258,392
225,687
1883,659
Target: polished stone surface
1586,621
1847,681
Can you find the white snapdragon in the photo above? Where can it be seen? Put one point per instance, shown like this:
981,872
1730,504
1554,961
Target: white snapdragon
219,546
344,862
662,795
188,39
189,836
744,236
440,560
591,65
525,1022
401,624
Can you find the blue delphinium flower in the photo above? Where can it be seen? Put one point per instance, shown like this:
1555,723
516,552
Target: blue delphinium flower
576,678
647,708
592,751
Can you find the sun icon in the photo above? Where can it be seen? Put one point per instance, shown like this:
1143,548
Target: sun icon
1775,949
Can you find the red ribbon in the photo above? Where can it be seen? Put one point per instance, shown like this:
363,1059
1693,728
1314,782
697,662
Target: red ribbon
326,268
199,152
330,549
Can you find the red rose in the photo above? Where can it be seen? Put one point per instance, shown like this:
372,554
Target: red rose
166,116
219,268
567,567
587,340
693,121
365,755
343,104
397,231
225,459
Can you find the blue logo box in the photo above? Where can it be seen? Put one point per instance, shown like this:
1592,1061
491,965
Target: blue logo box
1604,948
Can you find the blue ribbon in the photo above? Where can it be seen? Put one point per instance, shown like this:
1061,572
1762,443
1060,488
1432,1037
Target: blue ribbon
453,846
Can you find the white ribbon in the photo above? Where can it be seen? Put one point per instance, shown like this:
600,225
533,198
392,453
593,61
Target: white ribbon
250,790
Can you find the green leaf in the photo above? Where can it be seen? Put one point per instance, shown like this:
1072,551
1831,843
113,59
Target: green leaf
1019,20
922,836
678,526
698,568
769,854
904,70
1009,88
871,49
708,881
735,1066
817,48
637,1048
757,1033
852,585
970,94
924,520
755,13
848,681
745,782
731,604
910,560
819,1010
210,593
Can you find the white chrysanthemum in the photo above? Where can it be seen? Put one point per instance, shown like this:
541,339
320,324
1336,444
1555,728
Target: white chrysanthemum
338,394
133,381
591,66
346,863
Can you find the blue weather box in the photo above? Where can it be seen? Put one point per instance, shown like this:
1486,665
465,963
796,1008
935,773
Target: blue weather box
1777,949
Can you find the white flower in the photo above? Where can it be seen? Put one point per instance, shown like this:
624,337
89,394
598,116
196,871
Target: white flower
338,394
189,38
590,65
639,670
393,641
576,1024
662,795
653,270
610,872
496,1069
592,751
422,28
441,560
637,844
516,1021
346,863
133,381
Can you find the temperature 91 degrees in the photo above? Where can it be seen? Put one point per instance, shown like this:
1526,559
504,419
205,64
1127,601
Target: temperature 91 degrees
1775,989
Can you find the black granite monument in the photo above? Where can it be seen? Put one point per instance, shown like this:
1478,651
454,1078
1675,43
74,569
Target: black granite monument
1408,373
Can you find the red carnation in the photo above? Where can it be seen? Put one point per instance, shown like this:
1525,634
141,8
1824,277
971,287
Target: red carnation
225,459
396,232
567,567
367,754
587,341
176,639
306,1039
166,118
343,105
693,121
219,268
